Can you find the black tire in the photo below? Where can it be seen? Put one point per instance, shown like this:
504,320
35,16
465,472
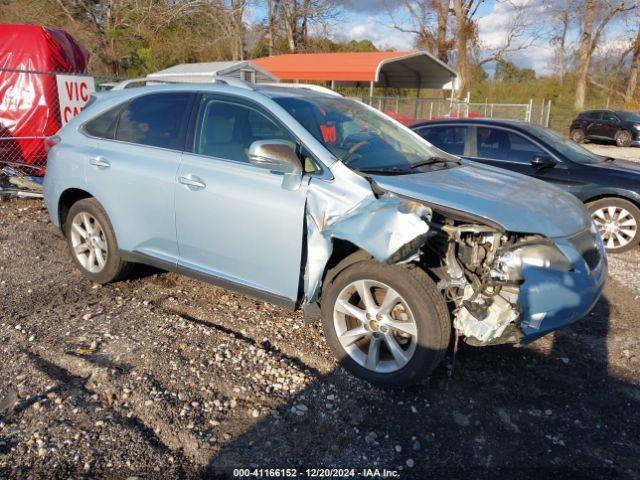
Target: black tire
426,304
623,138
617,203
577,135
114,267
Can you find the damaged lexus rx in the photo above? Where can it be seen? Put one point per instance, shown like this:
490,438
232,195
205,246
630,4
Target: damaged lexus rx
298,196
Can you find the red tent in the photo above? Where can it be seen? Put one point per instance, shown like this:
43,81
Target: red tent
28,96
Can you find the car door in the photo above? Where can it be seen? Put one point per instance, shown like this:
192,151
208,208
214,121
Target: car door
133,168
505,148
609,125
449,138
594,127
234,220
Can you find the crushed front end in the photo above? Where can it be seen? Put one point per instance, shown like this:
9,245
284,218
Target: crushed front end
507,287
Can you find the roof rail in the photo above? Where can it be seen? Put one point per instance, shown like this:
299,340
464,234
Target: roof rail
145,81
233,82
305,86
129,82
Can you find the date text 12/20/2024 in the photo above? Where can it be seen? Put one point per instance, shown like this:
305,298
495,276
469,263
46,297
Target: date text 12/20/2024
315,473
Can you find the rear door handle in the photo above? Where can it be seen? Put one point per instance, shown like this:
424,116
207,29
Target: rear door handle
192,182
99,162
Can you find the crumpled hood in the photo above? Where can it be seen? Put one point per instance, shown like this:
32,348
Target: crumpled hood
516,202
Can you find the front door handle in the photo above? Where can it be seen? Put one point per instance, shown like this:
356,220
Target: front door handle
100,162
192,182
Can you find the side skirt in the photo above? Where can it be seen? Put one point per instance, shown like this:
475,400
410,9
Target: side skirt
261,295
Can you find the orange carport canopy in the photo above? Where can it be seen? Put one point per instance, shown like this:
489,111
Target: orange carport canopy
406,69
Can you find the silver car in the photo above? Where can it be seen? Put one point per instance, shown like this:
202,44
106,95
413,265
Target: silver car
306,199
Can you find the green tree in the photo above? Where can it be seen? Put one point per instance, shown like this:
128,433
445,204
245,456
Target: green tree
511,73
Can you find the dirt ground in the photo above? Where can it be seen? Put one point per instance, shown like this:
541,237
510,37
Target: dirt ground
162,376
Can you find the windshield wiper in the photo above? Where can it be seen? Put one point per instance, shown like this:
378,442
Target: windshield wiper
384,171
434,160
609,159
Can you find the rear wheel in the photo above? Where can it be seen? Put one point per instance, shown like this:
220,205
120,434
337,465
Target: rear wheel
618,221
92,242
623,138
387,324
577,135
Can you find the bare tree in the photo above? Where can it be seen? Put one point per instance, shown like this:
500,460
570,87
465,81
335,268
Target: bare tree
561,16
465,33
429,22
634,50
450,29
596,16
298,15
272,8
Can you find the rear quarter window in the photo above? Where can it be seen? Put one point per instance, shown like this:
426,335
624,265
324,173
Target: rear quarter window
104,125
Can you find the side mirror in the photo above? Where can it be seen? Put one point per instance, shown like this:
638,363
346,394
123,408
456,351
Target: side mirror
542,161
277,156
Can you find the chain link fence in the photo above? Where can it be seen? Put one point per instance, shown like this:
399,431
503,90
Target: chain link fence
34,105
410,110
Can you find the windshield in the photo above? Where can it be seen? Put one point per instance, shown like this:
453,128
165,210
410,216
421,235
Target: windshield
568,148
628,116
360,136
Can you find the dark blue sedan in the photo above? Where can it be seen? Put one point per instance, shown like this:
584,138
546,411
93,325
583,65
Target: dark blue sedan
609,187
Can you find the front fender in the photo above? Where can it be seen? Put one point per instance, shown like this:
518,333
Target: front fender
598,193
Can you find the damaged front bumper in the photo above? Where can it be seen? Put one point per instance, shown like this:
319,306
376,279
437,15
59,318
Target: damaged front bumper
550,299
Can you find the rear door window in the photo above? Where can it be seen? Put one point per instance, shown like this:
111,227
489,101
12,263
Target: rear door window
157,120
498,144
451,139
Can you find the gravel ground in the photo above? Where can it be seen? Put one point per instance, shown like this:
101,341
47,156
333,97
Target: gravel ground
162,376
610,150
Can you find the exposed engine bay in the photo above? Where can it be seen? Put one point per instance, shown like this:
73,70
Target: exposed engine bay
484,301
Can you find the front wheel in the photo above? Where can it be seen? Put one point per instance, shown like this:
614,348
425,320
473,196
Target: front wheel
623,138
618,221
387,324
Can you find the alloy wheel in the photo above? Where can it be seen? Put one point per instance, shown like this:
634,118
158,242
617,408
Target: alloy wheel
375,326
89,242
623,139
577,136
617,226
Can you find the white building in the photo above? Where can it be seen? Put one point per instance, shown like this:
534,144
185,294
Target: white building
205,72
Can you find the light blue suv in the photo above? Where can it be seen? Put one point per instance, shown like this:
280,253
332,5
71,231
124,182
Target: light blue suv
306,199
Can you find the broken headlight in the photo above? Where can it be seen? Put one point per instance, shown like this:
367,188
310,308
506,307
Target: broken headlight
507,266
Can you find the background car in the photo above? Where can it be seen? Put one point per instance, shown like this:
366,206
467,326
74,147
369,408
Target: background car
610,188
620,126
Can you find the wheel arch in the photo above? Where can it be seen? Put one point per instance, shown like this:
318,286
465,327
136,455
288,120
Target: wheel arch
67,199
345,254
635,200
